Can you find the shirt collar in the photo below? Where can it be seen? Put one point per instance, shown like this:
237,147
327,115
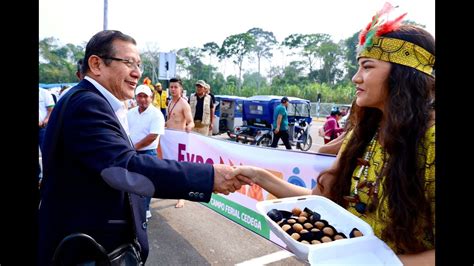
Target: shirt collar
113,101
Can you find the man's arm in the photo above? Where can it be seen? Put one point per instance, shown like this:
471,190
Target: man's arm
49,108
95,138
145,141
279,118
46,119
188,117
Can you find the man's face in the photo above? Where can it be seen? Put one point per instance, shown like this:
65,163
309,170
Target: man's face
118,77
175,89
143,100
158,88
200,90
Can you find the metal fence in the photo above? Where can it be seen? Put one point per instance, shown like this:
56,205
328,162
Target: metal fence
323,109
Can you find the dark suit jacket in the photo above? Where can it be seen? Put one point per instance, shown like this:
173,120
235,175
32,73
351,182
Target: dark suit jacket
86,179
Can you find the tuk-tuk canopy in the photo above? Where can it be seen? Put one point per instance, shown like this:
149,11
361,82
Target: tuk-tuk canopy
278,98
261,108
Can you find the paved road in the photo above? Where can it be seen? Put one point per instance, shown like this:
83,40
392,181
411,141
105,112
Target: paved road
196,235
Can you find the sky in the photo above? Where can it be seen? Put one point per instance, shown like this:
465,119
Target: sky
171,25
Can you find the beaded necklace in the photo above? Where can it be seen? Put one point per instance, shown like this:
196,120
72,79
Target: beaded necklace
361,181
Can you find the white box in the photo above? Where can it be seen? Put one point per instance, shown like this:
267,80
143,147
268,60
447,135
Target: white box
354,250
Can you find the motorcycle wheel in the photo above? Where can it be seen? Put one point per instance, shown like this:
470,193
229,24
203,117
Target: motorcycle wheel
265,141
305,146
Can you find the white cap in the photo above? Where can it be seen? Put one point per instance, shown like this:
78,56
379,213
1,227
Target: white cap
143,89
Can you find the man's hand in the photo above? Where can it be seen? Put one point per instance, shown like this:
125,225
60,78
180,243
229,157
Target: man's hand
189,127
224,182
276,130
245,173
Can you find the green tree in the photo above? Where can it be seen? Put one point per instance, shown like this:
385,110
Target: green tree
308,46
57,63
331,54
254,80
237,46
350,56
211,48
190,60
264,43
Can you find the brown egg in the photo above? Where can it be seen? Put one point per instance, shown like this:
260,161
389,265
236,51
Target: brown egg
328,231
285,227
304,214
302,219
314,242
296,211
339,236
291,221
319,224
295,236
355,233
326,239
297,227
308,225
304,242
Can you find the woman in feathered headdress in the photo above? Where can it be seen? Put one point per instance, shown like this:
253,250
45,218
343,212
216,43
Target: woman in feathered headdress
385,171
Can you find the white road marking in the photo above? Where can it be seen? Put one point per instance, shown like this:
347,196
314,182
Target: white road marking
279,255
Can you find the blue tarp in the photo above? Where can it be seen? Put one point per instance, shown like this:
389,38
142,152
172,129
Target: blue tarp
53,85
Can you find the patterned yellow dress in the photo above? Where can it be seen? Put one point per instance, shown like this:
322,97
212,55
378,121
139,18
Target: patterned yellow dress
374,154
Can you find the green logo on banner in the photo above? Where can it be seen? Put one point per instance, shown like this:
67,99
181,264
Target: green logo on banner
240,214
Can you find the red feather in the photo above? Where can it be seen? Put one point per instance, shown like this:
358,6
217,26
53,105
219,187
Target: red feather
390,26
363,33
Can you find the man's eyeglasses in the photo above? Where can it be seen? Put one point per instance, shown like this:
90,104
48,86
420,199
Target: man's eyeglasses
129,62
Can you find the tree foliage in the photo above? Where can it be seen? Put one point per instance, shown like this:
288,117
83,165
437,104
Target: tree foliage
321,66
237,46
57,63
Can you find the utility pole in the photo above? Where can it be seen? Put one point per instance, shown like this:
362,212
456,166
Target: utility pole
106,11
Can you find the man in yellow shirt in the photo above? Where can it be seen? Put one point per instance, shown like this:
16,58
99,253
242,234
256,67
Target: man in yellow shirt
160,100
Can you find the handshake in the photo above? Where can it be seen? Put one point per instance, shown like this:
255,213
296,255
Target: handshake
228,179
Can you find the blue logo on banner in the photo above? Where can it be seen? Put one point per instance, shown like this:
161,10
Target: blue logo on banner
295,180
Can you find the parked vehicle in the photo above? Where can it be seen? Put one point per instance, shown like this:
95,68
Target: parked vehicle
257,116
228,114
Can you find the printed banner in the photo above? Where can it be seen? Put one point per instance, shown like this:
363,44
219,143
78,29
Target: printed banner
299,168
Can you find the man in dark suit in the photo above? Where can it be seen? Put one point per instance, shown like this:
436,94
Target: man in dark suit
94,180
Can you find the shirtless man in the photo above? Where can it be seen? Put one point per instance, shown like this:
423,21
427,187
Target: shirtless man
179,114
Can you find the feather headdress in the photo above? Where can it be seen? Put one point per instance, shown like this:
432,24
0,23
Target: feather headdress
373,44
379,26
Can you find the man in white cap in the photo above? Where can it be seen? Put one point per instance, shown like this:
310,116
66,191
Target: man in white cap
201,107
146,123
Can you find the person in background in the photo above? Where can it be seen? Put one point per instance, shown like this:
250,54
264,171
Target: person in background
94,179
79,76
45,104
385,170
280,124
334,145
213,110
201,107
146,124
331,126
179,114
161,98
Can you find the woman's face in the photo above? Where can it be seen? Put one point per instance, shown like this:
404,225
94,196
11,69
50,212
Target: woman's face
371,82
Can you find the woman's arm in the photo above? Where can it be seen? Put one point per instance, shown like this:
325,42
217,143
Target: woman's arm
423,258
268,181
333,146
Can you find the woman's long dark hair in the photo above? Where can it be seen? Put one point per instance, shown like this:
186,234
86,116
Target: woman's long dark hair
407,114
